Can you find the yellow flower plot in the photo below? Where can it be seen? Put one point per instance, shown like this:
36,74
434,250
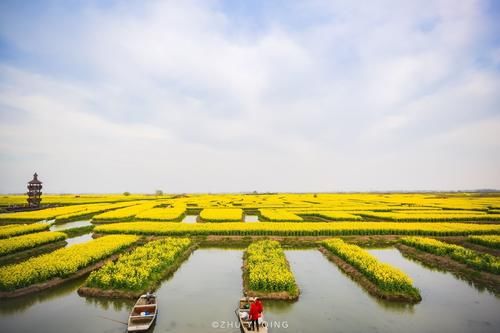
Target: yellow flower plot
267,268
480,261
15,244
333,215
279,215
90,211
141,268
124,214
61,263
490,241
222,215
383,275
162,214
61,213
299,229
434,216
11,230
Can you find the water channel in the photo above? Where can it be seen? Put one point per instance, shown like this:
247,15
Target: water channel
203,293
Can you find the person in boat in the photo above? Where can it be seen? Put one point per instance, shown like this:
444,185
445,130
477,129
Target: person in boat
254,315
149,298
259,306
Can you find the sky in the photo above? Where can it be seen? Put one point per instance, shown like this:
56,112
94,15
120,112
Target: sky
232,96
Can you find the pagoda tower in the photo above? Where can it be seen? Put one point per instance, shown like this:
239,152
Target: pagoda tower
34,192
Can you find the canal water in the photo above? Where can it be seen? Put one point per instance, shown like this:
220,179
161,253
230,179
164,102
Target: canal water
203,293
332,302
79,239
251,218
64,226
190,219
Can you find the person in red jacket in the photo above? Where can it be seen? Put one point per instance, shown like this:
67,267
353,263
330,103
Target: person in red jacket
259,305
254,316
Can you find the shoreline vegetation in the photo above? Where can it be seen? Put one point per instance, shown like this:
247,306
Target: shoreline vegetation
25,254
22,229
476,260
138,271
466,224
48,270
299,228
491,241
78,231
377,278
20,243
266,272
446,264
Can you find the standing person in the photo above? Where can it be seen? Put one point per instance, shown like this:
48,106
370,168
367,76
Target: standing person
259,305
254,315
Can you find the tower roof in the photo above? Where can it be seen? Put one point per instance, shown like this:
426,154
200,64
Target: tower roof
35,180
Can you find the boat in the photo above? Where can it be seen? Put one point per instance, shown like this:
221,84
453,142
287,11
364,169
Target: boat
144,313
243,314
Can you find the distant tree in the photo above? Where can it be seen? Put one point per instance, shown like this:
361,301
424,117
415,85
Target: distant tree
126,193
159,192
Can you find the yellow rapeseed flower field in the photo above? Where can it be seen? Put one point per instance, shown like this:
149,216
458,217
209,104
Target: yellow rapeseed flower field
490,241
221,215
162,214
18,243
477,260
267,268
141,268
61,263
383,275
278,215
125,214
300,229
11,230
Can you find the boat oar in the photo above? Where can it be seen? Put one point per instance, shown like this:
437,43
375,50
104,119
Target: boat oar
116,321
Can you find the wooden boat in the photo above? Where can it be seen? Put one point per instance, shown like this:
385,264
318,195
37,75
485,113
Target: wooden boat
243,313
143,314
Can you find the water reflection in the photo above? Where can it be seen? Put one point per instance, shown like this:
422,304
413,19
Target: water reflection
331,301
251,218
64,226
478,287
21,304
79,239
395,257
190,219
203,293
110,303
206,288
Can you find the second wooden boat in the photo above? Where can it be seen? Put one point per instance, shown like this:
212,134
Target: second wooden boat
143,314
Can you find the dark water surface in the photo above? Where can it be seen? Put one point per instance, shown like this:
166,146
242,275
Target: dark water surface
203,293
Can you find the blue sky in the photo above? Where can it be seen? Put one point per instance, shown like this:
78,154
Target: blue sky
229,96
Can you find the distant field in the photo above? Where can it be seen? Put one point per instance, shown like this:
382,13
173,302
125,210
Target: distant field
281,207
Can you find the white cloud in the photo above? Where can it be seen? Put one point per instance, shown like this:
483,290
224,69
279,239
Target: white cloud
177,95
